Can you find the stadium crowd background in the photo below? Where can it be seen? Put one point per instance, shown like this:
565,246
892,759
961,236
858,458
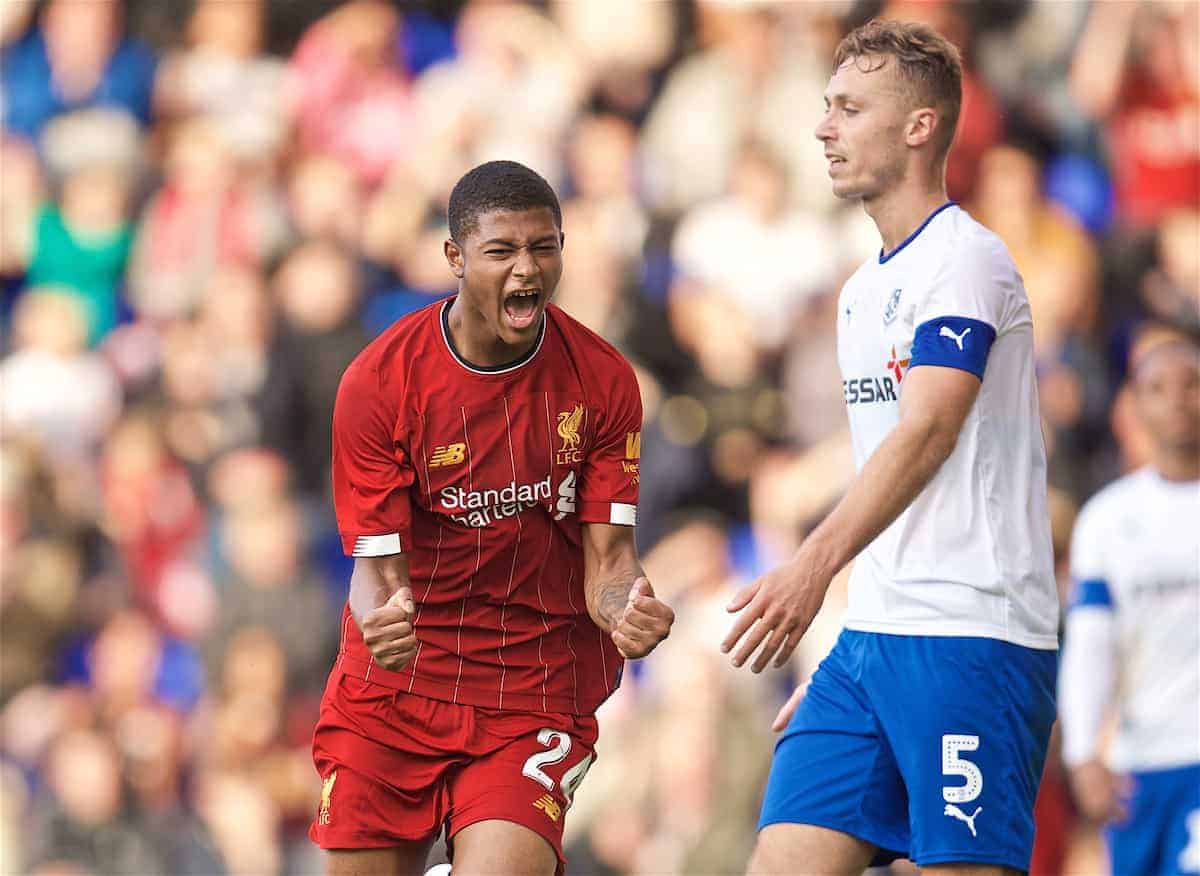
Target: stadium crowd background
207,208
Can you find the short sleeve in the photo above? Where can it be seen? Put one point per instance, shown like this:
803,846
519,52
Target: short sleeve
1090,578
608,481
371,471
964,310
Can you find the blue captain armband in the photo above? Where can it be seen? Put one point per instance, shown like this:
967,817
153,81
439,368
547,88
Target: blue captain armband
953,342
1093,592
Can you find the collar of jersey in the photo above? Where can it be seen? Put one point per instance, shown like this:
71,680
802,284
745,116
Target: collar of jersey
883,259
444,318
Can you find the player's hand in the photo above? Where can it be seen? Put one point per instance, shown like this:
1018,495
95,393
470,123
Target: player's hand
388,633
788,709
644,623
1102,795
779,606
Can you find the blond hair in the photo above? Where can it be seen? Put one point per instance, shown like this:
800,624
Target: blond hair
929,65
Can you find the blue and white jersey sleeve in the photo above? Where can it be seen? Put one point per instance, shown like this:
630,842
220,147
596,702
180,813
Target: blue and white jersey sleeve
1131,646
1088,672
1091,580
966,307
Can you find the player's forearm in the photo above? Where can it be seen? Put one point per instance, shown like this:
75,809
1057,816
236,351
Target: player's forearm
1087,679
606,589
895,474
373,582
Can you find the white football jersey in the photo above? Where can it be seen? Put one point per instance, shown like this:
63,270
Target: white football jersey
1135,558
971,556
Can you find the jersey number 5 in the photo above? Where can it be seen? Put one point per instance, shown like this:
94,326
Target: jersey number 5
953,765
560,746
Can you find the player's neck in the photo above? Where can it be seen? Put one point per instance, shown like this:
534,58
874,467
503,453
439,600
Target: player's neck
900,212
475,342
1177,467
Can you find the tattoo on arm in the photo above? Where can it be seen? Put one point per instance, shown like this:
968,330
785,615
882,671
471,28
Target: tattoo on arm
610,567
611,597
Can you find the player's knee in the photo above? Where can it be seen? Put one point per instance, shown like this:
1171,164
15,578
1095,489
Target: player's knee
775,851
496,846
786,848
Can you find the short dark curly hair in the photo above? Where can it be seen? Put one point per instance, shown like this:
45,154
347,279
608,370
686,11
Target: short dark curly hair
497,185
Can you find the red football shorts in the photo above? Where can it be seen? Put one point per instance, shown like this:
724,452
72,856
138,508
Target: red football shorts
395,766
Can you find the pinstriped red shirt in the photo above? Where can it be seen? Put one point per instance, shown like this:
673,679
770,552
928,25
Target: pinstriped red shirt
483,477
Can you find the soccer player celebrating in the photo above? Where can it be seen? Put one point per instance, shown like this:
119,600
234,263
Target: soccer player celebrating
1133,631
485,467
924,732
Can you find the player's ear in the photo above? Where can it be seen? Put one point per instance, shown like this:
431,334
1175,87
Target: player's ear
454,258
921,125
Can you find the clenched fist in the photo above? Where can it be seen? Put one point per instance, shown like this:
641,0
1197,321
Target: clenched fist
388,631
644,623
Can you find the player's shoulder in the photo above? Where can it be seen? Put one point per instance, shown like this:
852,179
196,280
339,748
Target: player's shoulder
964,240
1110,504
599,357
387,358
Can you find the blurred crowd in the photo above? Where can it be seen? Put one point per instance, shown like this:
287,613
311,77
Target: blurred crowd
207,207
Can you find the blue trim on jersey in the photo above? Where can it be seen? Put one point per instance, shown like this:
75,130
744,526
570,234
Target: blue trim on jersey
1091,591
944,341
883,259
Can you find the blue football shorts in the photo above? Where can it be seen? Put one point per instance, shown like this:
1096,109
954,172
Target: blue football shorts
928,747
1161,836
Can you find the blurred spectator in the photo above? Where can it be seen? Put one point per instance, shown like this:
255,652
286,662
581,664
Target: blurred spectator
325,201
263,547
318,295
84,820
729,247
812,383
511,92
223,74
77,57
65,396
1137,71
1170,291
1056,258
622,45
744,84
20,197
351,97
204,217
152,512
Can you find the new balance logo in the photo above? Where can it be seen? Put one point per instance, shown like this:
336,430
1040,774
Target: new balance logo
549,805
447,454
954,812
958,339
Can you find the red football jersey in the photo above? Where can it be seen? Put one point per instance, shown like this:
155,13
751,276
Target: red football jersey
483,478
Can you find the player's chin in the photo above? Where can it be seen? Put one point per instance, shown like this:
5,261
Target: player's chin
848,189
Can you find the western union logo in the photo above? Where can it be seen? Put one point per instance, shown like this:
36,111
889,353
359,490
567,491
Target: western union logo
547,804
633,445
447,454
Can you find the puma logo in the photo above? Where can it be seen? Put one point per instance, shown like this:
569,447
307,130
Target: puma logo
958,339
954,812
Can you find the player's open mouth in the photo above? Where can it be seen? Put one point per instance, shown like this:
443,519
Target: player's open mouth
521,308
